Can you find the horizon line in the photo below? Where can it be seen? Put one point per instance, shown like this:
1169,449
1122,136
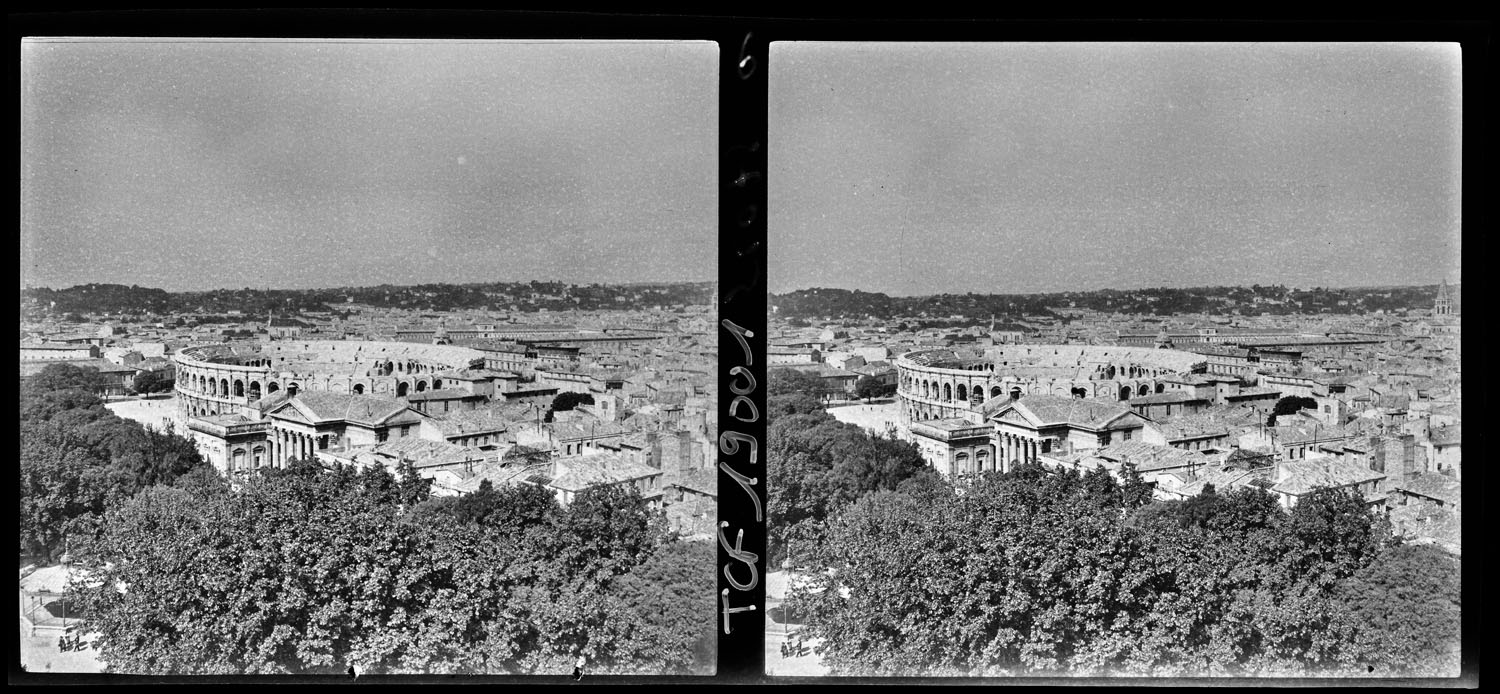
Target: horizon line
1111,289
372,286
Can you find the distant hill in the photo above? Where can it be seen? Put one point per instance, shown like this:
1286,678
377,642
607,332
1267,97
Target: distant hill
121,300
1249,301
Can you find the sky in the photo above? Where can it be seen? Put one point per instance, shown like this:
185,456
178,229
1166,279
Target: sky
915,169
199,164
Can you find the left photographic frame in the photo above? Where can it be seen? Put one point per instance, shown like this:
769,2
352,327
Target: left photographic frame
355,356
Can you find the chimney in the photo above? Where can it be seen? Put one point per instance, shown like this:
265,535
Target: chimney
653,449
1408,453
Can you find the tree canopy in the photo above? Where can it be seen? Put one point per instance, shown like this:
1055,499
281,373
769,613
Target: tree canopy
306,571
75,453
1034,572
1290,404
818,465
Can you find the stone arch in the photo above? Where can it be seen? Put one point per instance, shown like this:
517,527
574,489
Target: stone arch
1015,393
1144,390
437,383
421,385
1079,392
1124,393
1109,372
224,387
1161,387
239,388
963,393
947,392
926,389
359,389
255,391
401,389
996,391
272,387
292,388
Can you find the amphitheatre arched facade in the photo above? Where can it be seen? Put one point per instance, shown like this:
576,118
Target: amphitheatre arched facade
940,384
220,379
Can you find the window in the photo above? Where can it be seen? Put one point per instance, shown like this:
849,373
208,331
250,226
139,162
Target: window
382,435
1125,435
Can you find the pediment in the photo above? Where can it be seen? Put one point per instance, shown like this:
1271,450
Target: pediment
289,411
1014,416
1127,420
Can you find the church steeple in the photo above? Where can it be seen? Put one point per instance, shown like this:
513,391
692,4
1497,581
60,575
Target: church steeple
1442,306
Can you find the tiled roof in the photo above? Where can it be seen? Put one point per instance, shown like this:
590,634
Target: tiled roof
364,409
1166,398
580,473
471,422
442,394
1150,457
1433,486
1053,409
1446,436
1304,476
420,452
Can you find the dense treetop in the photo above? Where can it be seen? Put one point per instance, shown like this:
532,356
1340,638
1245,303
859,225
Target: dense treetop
1035,572
306,571
75,453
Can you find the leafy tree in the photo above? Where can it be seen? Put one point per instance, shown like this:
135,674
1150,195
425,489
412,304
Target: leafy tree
411,488
61,480
569,400
784,381
819,465
75,453
152,382
510,508
1037,572
868,387
671,591
1290,404
1407,607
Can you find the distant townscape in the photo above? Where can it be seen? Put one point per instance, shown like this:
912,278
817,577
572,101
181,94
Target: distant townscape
1232,481
491,478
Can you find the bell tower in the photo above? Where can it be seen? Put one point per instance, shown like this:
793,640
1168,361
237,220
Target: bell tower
1442,305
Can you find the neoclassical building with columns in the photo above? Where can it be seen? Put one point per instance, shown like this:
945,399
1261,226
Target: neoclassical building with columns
1016,402
1007,432
253,405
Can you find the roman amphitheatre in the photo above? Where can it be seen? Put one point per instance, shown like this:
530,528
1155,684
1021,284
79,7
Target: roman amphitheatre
219,379
941,383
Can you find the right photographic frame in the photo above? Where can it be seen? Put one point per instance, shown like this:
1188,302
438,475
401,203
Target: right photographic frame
1094,360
